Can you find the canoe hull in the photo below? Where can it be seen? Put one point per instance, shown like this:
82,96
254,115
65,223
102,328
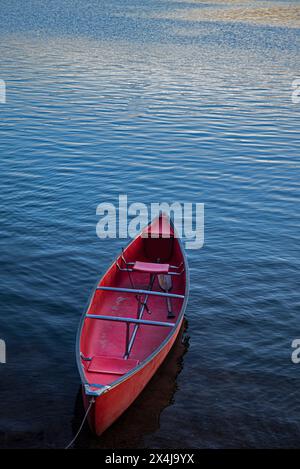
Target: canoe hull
116,361
110,405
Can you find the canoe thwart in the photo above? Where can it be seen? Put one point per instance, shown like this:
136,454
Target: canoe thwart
145,322
140,292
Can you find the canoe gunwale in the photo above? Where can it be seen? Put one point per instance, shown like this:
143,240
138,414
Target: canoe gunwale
101,389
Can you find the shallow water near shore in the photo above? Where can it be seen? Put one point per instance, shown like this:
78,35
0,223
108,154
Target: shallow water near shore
162,103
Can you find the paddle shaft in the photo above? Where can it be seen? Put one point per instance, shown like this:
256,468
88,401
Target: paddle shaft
170,313
165,284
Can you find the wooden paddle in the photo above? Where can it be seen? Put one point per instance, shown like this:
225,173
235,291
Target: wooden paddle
165,283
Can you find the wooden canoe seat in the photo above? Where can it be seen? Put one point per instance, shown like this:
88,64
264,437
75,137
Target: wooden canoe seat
111,365
151,267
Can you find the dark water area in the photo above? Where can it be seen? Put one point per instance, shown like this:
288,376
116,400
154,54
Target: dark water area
109,98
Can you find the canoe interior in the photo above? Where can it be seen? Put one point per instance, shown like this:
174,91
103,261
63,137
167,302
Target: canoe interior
104,341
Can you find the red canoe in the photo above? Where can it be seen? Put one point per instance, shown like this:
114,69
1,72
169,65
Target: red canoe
132,321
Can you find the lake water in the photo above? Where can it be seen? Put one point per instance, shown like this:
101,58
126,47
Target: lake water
162,101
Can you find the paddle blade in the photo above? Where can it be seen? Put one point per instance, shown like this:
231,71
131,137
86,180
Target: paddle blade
165,282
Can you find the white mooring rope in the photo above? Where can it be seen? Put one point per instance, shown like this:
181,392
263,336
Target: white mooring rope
82,423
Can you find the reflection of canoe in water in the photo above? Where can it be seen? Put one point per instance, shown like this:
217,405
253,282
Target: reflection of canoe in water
129,328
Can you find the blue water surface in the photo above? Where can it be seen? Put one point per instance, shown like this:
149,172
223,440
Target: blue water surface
109,98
